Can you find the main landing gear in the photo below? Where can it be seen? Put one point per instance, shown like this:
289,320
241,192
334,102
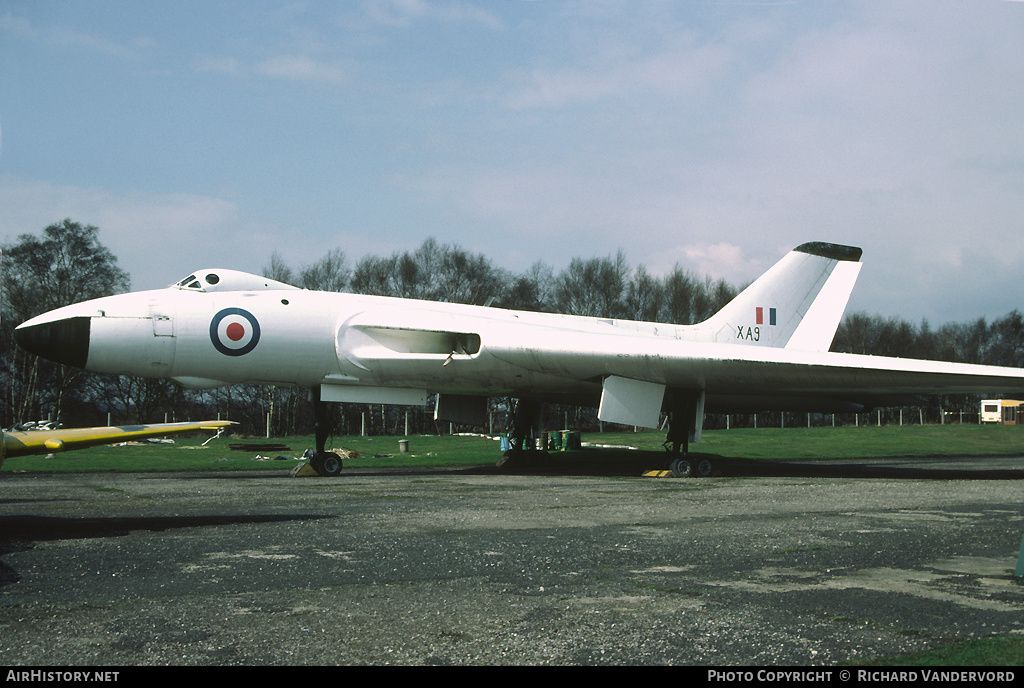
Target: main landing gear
682,421
686,467
526,424
327,464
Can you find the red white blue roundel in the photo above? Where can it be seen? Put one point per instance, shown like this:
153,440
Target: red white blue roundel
234,332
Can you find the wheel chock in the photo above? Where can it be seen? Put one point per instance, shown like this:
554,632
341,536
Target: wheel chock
656,474
304,470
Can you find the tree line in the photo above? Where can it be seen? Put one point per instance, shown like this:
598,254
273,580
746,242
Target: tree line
67,263
601,287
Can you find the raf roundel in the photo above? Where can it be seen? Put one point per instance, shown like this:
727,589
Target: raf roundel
234,332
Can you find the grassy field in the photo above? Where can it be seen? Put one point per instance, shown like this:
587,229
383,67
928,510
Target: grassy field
195,453
1002,651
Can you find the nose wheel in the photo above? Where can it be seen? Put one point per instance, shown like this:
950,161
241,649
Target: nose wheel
327,464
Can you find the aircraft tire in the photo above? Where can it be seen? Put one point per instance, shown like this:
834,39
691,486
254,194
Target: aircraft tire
681,467
705,468
328,465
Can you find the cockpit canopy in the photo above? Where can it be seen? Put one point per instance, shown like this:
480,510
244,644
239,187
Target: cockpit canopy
228,280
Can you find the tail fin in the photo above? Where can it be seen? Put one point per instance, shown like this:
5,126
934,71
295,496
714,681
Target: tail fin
797,304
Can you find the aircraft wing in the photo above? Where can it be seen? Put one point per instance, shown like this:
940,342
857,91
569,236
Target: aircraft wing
50,441
807,380
735,377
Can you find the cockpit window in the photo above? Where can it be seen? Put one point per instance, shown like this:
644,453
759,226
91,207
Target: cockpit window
221,279
189,282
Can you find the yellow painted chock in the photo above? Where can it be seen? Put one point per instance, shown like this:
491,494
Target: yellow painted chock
657,474
304,469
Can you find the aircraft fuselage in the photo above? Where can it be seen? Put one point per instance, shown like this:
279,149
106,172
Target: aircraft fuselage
308,338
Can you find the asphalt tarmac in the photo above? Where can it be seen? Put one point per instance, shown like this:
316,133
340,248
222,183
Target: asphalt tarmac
800,564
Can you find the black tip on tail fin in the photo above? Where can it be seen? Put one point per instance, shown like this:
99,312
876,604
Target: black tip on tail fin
833,251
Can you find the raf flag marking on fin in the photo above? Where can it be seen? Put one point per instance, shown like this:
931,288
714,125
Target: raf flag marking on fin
760,316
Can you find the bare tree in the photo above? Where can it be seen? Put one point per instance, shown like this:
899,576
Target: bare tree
680,290
330,273
592,287
644,296
277,269
532,291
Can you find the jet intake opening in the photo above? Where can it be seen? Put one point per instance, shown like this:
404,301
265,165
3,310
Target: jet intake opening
424,341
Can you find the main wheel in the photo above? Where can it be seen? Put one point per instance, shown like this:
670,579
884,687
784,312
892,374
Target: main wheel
705,468
681,467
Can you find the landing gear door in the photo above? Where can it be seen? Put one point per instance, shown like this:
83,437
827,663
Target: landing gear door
631,402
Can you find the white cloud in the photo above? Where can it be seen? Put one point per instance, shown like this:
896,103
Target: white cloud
404,13
301,68
18,26
683,68
69,37
286,67
723,261
153,236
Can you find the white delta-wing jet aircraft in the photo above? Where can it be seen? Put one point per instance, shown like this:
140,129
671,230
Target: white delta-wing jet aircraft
768,349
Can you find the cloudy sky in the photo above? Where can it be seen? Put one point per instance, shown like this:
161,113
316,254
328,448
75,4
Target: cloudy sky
713,135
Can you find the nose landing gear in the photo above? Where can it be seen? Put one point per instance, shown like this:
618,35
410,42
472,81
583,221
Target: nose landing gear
325,463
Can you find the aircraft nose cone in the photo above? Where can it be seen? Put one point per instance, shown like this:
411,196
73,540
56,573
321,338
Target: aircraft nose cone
63,341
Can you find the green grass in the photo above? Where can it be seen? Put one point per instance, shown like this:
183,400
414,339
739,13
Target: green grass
840,443
994,651
189,453
866,442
